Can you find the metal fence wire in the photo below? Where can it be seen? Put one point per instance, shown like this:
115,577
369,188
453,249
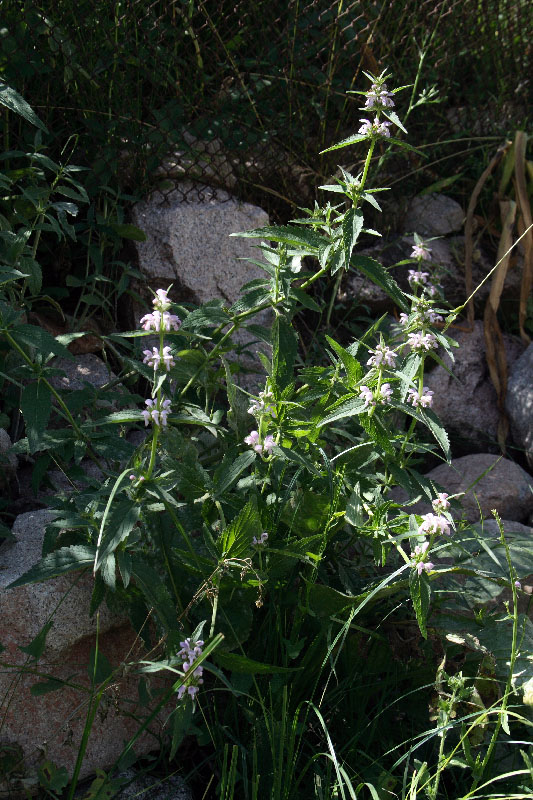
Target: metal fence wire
242,95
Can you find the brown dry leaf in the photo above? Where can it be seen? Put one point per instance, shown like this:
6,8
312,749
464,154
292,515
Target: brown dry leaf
525,213
469,238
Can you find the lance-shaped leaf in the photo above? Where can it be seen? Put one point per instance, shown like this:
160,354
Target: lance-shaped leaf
352,225
119,525
36,405
15,102
66,559
286,234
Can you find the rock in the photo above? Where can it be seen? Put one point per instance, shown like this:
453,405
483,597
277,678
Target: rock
519,402
81,370
434,215
148,787
446,267
466,402
51,725
188,243
8,461
507,487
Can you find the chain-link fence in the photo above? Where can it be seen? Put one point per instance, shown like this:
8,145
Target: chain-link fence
243,94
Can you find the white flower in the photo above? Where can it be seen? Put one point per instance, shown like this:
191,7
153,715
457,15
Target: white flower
417,278
155,414
417,554
425,399
385,392
433,525
296,264
161,301
379,97
157,321
260,540
366,395
441,503
421,341
404,318
421,251
375,128
269,443
382,355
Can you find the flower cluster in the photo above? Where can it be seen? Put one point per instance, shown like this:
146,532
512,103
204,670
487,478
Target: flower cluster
422,341
261,540
160,320
379,97
416,399
441,503
421,251
156,412
384,395
375,128
253,440
382,355
434,525
154,358
417,278
189,652
262,406
417,555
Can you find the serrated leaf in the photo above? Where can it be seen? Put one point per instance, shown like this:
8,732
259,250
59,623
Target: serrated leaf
36,406
378,275
420,591
349,408
393,116
228,473
345,143
128,231
155,592
236,540
15,102
286,234
352,225
284,350
40,340
36,647
351,365
124,516
66,559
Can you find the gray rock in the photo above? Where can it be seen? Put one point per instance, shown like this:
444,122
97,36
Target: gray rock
53,723
506,488
188,243
433,215
466,402
80,371
8,461
148,787
519,402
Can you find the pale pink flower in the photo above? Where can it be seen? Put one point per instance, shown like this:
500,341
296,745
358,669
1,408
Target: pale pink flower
427,566
253,440
404,318
157,321
421,251
382,355
257,541
417,278
441,503
425,399
269,443
379,97
433,525
385,392
152,413
422,341
161,301
366,394
375,128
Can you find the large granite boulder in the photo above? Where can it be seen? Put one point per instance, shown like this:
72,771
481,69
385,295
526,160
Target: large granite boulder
506,487
466,400
433,215
188,243
50,725
519,402
8,460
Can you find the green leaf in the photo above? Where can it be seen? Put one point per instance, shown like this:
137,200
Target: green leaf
436,428
155,592
420,595
286,234
227,474
352,366
124,516
36,405
378,275
99,668
45,687
236,540
15,102
39,339
345,143
247,666
53,778
128,231
349,408
393,116
303,298
352,225
284,350
180,722
66,559
36,647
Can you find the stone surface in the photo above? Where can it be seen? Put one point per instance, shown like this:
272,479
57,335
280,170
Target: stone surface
433,215
8,461
52,724
506,487
466,402
447,268
188,243
148,787
81,370
519,402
